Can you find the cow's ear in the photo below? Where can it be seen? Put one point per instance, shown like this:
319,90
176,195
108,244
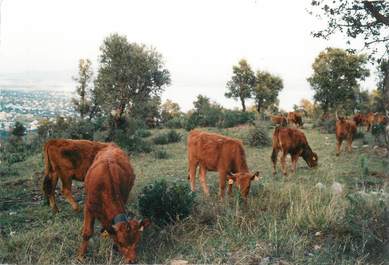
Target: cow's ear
115,228
144,224
255,176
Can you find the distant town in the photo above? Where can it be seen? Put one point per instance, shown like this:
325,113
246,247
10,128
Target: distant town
31,106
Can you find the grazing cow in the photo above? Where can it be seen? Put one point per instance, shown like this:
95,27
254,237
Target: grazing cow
291,141
295,118
219,153
67,160
107,185
279,120
360,119
370,117
345,130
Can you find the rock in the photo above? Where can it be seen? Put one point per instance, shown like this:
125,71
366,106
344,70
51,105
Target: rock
337,188
320,186
179,262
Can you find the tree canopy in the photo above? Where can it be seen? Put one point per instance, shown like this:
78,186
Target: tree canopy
129,75
335,78
241,83
83,104
266,89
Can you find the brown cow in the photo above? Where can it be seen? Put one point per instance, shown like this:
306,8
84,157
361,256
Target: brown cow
219,153
67,160
345,130
291,141
107,185
295,118
360,119
279,120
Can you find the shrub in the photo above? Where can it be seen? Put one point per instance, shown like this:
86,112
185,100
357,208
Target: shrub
165,202
177,122
258,135
231,118
143,133
366,222
132,143
161,154
166,138
359,135
327,125
173,136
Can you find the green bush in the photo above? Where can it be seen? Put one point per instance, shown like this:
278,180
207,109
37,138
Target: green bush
161,154
166,138
327,125
359,135
231,118
177,122
366,222
132,143
143,133
165,203
258,135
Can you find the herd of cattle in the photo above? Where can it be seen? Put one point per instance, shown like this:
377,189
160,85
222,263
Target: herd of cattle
109,177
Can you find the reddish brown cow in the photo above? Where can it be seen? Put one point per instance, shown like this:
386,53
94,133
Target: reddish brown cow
360,119
279,120
67,160
219,153
291,141
295,118
345,130
107,185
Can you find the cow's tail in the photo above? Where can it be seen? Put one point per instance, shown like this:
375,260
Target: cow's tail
47,186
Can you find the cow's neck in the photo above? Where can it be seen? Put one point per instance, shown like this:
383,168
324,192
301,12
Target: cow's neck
114,209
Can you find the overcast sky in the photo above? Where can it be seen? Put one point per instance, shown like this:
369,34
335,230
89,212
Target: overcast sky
200,40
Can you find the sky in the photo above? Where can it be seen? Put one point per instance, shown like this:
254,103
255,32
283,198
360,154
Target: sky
41,42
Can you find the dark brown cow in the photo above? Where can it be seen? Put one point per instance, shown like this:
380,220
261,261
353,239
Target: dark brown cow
67,160
219,153
107,185
291,141
360,119
279,120
295,118
345,130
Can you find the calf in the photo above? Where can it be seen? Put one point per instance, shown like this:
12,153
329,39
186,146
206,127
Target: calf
279,120
67,160
219,153
345,130
107,185
295,118
291,141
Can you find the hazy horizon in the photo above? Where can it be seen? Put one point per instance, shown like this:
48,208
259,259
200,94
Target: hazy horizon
199,40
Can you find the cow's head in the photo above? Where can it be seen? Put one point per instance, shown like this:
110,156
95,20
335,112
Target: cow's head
310,157
242,181
127,235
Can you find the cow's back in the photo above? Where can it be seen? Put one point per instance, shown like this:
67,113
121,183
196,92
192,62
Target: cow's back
288,139
71,156
109,176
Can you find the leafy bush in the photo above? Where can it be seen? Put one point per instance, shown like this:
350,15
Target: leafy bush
161,154
132,143
258,135
327,125
231,118
165,202
143,133
166,138
177,122
366,222
173,136
359,135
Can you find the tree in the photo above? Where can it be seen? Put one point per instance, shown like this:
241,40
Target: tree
364,20
335,78
266,89
83,105
308,107
129,74
18,130
241,83
169,110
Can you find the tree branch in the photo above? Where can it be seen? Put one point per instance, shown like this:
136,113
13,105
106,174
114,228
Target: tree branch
374,12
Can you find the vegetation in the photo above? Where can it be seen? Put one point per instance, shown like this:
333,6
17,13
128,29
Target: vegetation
266,90
335,79
287,220
165,202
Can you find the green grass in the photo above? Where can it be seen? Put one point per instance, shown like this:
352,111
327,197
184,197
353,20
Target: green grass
280,224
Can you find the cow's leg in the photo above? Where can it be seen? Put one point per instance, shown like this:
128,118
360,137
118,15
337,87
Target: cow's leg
283,163
350,143
203,181
222,184
87,232
67,192
274,155
192,174
51,195
295,158
338,146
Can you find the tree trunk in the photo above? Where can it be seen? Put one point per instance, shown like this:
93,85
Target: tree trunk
243,104
386,88
259,108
